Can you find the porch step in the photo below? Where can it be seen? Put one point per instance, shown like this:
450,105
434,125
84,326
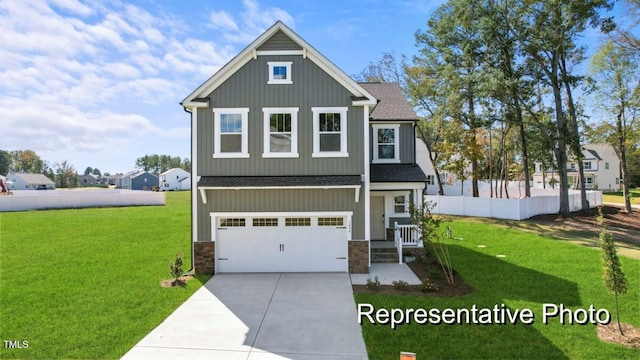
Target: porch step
384,255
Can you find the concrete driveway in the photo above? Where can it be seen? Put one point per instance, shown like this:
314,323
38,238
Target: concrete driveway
261,316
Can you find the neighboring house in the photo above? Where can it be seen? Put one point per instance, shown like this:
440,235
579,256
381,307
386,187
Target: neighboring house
174,180
110,179
138,181
25,181
88,180
423,159
601,170
297,167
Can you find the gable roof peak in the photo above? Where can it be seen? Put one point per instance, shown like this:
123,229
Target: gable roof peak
195,99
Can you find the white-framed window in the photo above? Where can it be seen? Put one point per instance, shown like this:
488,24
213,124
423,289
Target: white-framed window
280,72
231,133
431,180
330,221
587,165
385,143
400,204
232,222
265,222
606,166
329,132
298,221
280,132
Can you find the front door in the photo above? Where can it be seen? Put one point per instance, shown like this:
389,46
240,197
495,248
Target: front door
377,218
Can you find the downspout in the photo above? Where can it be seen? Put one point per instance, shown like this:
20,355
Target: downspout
192,227
415,161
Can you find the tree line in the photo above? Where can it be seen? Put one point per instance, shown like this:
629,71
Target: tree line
500,86
64,174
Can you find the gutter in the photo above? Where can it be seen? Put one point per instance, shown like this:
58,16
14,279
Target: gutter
191,270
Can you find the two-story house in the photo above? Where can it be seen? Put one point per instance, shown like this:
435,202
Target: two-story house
175,179
295,166
601,170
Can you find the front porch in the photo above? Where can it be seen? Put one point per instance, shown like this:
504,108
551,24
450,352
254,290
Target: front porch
391,251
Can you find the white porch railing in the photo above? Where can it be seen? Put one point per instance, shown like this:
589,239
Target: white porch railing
406,235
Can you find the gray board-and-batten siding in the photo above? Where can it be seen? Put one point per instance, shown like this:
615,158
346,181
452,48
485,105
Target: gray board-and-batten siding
286,200
248,88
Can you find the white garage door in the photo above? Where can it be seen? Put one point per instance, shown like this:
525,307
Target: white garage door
281,242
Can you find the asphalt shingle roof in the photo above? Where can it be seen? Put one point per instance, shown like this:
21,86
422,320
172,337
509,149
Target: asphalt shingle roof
397,173
392,104
275,181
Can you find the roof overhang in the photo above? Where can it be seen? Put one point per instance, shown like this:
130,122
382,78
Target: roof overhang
279,183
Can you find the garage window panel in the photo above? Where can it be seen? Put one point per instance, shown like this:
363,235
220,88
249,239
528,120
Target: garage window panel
262,222
330,221
232,222
298,222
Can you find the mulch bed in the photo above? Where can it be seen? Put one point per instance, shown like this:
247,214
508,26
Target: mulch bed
181,281
610,333
428,269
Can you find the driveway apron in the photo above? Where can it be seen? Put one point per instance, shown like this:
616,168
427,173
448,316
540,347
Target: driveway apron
261,316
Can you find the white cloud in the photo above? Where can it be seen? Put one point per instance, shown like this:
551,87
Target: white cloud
222,20
253,21
84,79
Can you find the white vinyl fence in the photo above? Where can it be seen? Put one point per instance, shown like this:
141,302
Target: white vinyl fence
511,209
22,200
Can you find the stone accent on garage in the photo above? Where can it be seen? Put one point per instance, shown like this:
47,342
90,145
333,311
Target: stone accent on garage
358,257
204,257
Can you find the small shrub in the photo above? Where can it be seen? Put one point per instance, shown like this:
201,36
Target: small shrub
428,286
373,284
400,285
176,267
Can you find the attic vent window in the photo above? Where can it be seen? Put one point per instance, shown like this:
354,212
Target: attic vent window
280,73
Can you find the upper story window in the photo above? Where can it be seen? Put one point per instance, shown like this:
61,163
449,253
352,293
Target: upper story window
329,132
280,132
606,166
230,133
280,72
385,143
587,165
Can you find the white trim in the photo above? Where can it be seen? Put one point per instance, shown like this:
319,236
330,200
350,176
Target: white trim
196,104
253,214
343,131
348,215
279,52
367,190
396,143
266,151
244,152
286,65
397,186
249,52
194,179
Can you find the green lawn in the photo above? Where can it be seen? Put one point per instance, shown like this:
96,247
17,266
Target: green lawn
85,283
616,197
536,270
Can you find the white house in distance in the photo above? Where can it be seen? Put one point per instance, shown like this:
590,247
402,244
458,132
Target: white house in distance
26,181
174,180
601,170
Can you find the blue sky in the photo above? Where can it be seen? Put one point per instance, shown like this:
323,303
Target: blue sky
98,82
